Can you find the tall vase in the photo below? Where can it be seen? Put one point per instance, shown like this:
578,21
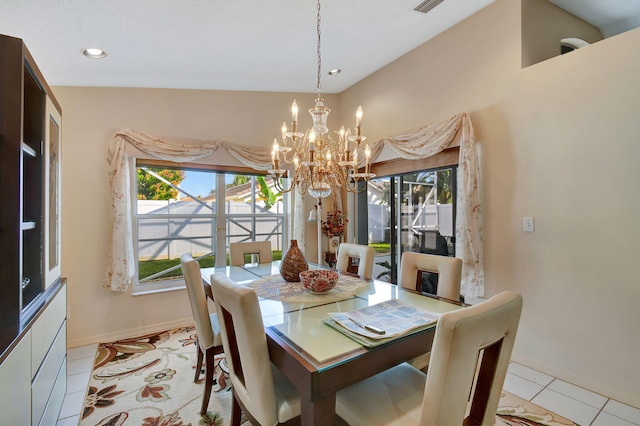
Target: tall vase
293,263
334,242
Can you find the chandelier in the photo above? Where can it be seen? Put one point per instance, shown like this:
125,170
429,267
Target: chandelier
321,161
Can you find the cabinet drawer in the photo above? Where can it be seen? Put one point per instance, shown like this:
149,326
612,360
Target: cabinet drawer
45,380
50,416
46,327
15,389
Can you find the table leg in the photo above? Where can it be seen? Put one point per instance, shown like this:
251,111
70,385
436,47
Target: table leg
319,412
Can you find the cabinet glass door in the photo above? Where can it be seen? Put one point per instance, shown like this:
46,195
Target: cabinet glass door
52,194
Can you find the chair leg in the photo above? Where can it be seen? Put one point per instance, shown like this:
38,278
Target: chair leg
236,411
198,363
209,367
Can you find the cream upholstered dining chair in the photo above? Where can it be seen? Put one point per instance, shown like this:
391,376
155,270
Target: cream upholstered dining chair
471,352
237,251
208,336
347,252
449,270
260,390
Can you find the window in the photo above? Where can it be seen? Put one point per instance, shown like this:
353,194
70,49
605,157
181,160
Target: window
411,212
178,211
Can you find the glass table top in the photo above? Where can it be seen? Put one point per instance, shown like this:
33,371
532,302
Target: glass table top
301,326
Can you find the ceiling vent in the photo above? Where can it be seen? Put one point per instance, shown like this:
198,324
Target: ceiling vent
427,5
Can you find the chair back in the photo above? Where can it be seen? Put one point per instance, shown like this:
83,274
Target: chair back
245,345
198,300
449,270
237,251
471,352
364,253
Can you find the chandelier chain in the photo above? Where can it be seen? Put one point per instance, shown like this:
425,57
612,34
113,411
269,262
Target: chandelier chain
319,57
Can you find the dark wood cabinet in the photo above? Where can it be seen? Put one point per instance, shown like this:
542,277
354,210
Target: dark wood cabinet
29,133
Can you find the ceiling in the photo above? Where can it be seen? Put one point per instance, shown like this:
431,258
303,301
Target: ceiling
611,17
226,44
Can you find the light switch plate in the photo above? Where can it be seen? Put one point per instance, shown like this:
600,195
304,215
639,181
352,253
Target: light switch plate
527,224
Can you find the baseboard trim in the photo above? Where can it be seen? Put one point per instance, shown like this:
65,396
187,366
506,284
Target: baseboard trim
125,334
583,382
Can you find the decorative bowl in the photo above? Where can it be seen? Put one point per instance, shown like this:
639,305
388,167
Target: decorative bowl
319,281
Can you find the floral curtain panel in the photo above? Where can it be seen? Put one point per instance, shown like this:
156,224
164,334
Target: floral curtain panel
420,143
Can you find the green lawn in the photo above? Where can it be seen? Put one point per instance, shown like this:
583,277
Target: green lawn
381,248
150,267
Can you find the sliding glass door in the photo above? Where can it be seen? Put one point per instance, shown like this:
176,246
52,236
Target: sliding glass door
411,212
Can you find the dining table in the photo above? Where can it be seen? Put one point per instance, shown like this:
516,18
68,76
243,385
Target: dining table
318,359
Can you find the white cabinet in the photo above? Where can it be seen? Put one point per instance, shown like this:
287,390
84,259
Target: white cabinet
15,384
46,328
33,375
48,358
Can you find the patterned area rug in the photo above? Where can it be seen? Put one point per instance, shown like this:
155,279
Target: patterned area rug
148,381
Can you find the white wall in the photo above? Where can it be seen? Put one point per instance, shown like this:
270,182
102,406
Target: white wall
559,142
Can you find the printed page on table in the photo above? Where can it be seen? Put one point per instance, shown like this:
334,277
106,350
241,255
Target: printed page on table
383,320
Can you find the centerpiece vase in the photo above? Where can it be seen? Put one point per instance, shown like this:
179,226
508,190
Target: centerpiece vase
293,263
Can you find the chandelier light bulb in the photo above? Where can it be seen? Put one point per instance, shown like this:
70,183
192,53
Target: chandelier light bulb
312,137
294,111
359,116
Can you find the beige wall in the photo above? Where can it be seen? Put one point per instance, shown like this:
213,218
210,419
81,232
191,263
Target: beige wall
559,142
544,25
90,118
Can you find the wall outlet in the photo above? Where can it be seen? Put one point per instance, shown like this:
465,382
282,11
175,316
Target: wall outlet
527,224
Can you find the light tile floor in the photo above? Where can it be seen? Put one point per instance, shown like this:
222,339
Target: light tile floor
79,364
575,403
584,407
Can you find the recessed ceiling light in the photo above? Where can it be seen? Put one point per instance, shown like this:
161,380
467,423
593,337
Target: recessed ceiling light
335,71
94,53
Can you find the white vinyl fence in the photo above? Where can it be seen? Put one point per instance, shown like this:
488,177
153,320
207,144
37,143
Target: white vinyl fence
166,229
379,221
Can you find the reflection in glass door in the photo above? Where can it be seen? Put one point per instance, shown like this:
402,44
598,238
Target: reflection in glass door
411,212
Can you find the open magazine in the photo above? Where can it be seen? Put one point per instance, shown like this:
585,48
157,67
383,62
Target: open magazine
384,320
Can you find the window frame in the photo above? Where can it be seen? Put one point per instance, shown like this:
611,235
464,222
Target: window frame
219,232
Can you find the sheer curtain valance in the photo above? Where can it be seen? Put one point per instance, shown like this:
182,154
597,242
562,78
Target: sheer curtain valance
121,266
430,140
420,143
